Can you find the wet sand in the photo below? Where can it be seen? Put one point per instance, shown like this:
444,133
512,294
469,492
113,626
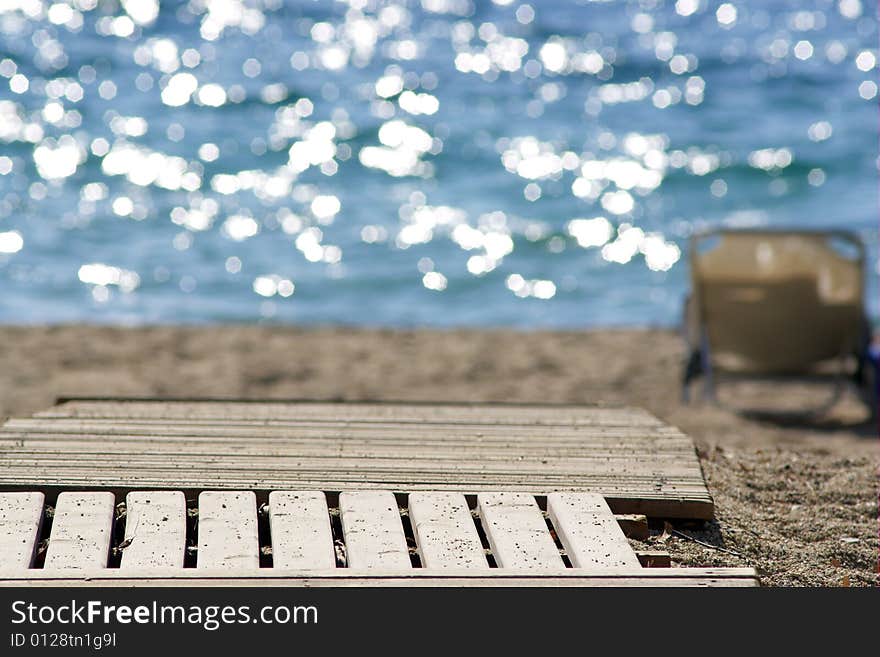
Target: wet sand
795,499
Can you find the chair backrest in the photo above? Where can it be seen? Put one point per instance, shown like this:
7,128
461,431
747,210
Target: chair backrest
778,301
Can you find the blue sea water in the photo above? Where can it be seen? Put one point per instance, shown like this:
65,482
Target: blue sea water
441,163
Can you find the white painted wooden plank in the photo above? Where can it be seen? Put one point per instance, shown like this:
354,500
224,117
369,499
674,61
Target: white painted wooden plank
81,531
228,530
299,522
20,517
589,532
517,532
373,531
155,530
343,577
445,531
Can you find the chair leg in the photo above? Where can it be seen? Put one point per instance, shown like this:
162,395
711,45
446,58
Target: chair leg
840,385
870,380
709,393
708,371
867,375
692,369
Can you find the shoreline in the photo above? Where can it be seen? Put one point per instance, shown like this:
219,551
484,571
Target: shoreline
790,498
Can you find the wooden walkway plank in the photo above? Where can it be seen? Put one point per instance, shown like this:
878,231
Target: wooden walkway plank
299,523
588,531
445,531
362,411
673,502
155,530
271,427
228,535
425,462
81,531
21,515
271,577
517,532
373,531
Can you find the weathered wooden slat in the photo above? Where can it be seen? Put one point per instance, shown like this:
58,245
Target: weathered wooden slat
270,425
81,531
588,531
373,531
155,530
439,434
128,477
266,577
228,535
435,436
445,532
162,437
53,452
328,463
517,532
284,438
346,468
21,515
530,481
363,411
515,459
299,523
346,465
466,483
462,482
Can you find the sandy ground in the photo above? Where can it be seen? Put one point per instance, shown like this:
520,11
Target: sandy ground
796,500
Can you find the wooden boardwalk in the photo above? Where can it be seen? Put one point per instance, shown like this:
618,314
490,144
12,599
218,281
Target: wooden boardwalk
635,461
208,493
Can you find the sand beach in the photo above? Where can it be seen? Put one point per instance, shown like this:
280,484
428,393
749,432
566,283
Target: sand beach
796,500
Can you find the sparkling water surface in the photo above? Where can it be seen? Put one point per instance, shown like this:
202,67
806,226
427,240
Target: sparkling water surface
443,162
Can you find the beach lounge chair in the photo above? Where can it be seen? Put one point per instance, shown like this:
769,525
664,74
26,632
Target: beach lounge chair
778,303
